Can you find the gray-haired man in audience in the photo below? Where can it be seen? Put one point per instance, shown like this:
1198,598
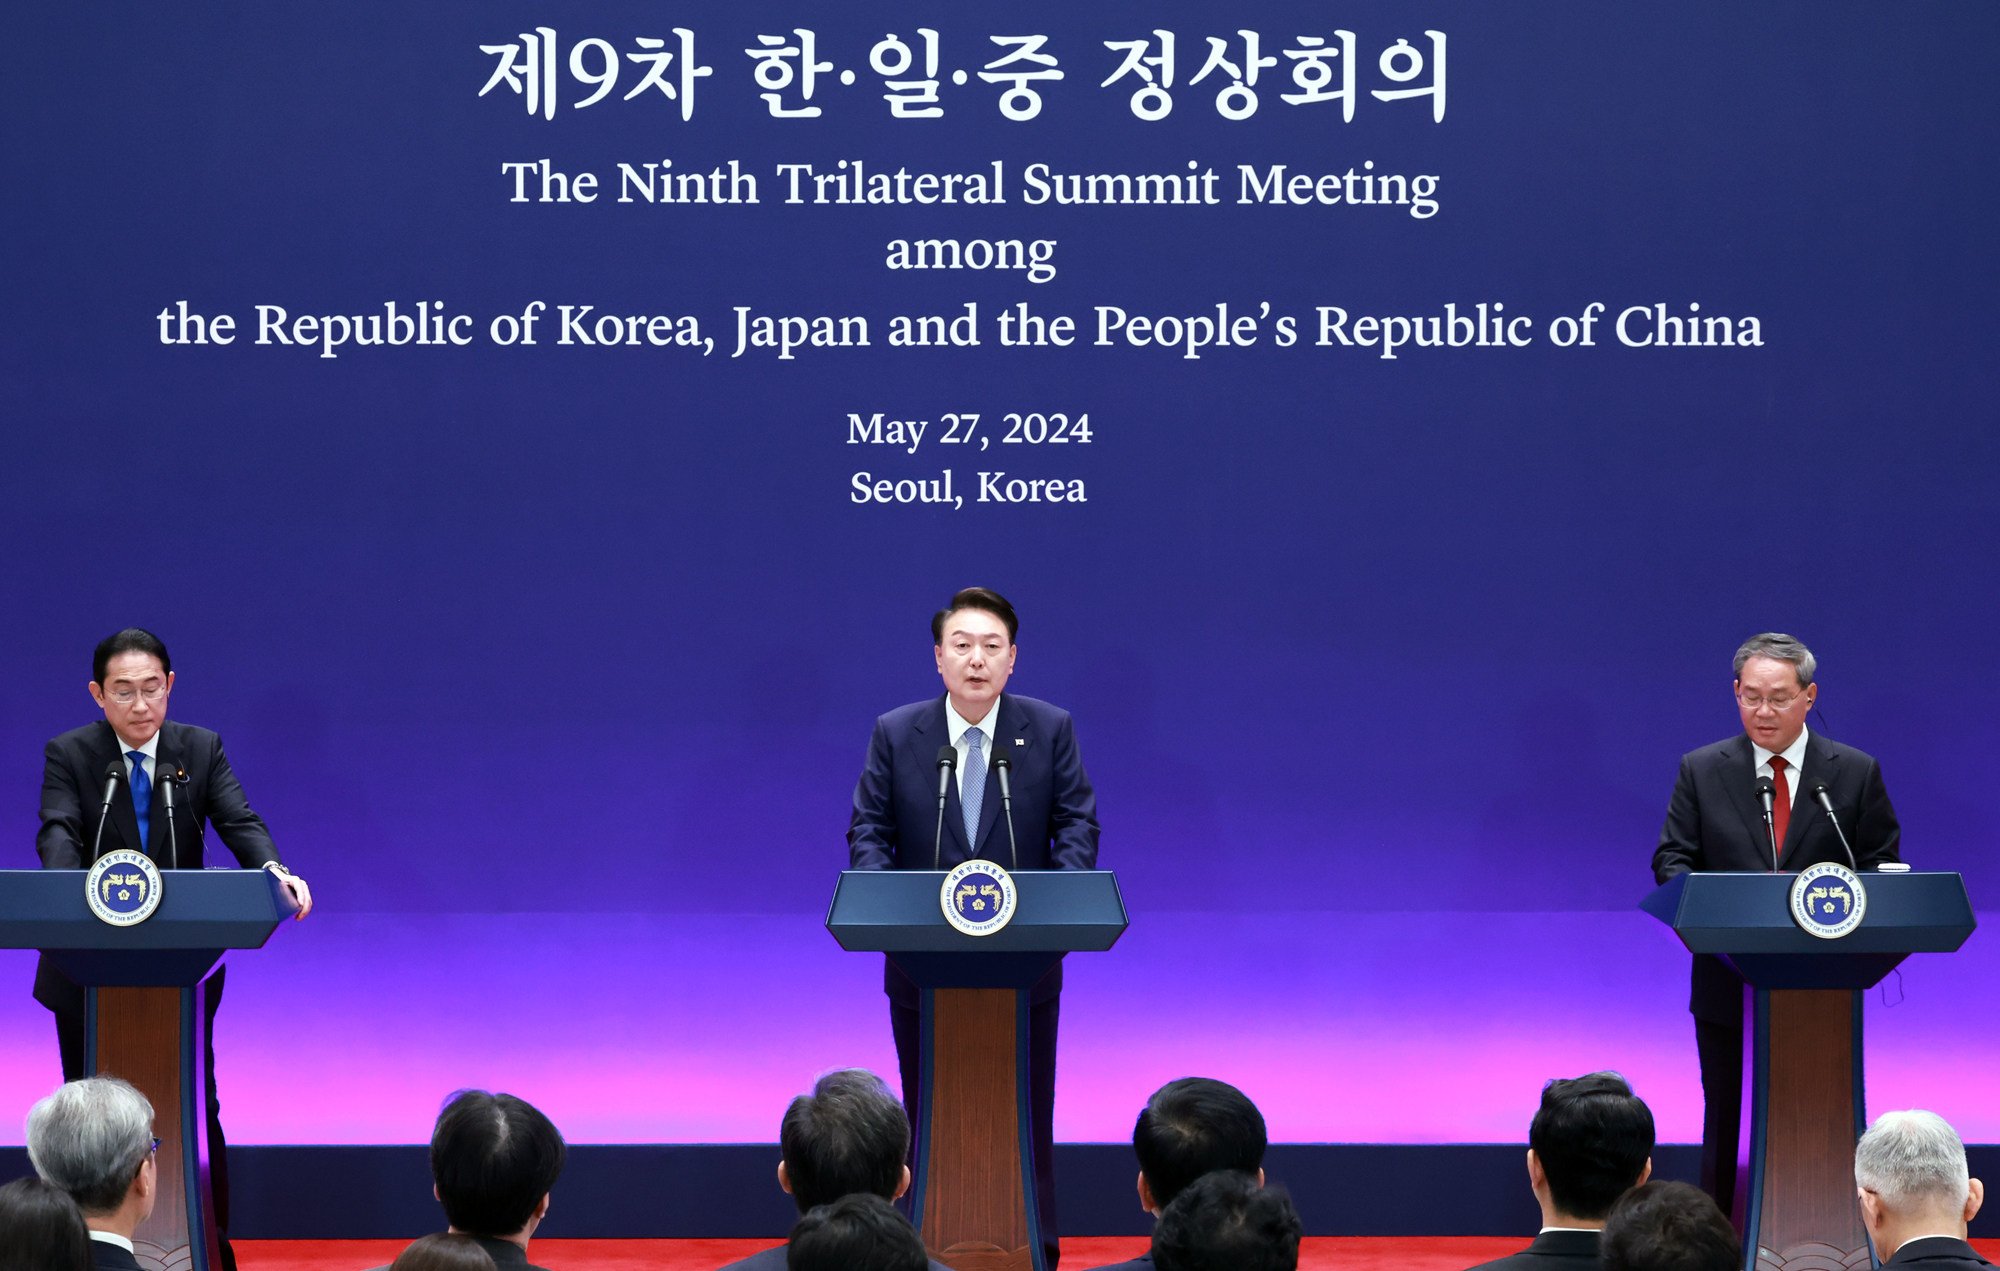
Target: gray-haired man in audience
1916,1193
94,1139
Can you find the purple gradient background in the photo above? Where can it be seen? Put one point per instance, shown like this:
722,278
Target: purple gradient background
553,668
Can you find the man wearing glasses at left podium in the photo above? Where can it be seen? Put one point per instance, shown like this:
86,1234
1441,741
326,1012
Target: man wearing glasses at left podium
131,755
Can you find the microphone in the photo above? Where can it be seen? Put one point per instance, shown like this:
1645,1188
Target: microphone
1826,806
1003,767
1768,795
171,775
947,763
114,772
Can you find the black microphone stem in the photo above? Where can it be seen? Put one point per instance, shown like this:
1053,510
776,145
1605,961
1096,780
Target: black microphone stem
947,762
114,772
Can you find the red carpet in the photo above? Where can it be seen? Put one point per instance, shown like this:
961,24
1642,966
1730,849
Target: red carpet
1321,1254
1324,1253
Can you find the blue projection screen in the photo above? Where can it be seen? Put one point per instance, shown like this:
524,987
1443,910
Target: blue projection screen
542,432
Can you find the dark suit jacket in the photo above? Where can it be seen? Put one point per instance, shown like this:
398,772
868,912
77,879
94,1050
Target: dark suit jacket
774,1260
105,1256
1144,1262
1938,1253
894,825
506,1255
1552,1251
73,793
1715,822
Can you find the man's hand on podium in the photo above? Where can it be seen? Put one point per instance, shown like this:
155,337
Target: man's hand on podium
295,885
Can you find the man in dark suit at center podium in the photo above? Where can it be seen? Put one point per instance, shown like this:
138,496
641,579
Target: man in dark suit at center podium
1715,821
895,823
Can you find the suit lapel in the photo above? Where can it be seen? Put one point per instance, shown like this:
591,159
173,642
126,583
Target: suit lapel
1739,777
936,731
1821,765
123,831
166,759
1008,723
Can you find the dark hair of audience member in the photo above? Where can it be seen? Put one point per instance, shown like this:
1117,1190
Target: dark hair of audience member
493,1157
1593,1137
861,1232
130,640
1669,1227
849,1135
444,1251
977,598
1225,1222
1193,1126
41,1228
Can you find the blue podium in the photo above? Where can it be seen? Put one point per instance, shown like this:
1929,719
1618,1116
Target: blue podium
1808,1098
974,1190
144,1019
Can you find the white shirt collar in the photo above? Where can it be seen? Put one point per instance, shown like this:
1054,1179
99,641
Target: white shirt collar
1794,755
151,750
957,725
112,1238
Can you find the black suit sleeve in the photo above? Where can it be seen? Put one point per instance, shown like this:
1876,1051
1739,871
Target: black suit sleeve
871,830
60,841
1679,851
1072,807
1877,836
241,830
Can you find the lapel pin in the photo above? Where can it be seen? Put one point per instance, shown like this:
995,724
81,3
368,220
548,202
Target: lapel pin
1020,741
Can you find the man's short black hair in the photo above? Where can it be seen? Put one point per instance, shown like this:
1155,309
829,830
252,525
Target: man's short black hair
493,1157
850,1135
861,1232
1593,1137
1193,1126
1226,1222
976,598
1669,1227
130,640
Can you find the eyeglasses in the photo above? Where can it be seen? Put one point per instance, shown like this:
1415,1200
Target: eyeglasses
152,691
155,1148
1752,702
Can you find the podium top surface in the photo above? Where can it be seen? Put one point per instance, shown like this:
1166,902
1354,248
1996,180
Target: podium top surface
199,909
1752,914
899,911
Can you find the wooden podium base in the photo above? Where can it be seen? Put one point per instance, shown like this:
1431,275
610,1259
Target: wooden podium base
973,1153
1807,1115
156,1038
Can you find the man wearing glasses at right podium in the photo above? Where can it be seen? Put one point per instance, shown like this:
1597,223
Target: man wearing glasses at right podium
1716,822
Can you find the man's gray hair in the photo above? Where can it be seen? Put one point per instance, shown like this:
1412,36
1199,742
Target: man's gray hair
1778,645
89,1138
1913,1160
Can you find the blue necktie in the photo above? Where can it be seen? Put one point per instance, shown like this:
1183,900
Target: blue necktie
142,795
973,792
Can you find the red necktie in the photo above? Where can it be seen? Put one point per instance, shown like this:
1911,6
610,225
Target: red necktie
1781,807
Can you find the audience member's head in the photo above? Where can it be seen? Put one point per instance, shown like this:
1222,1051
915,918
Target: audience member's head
444,1251
850,1135
1228,1221
1668,1227
1910,1171
1591,1141
1192,1127
94,1139
494,1158
41,1228
858,1232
